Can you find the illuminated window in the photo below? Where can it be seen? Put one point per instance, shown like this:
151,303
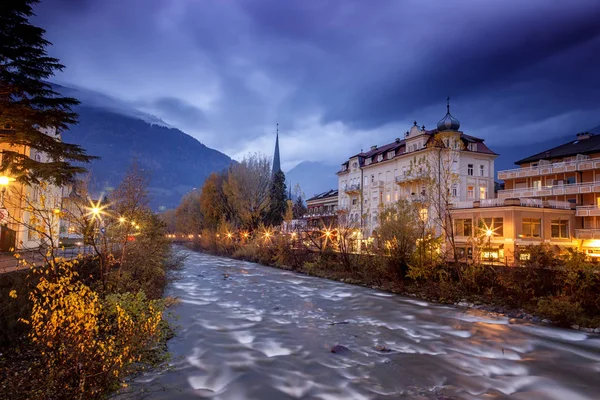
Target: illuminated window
496,225
463,227
532,227
482,192
560,228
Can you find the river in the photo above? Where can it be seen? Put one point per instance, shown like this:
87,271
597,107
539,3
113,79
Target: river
246,331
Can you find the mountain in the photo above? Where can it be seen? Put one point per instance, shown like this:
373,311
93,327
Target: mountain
175,162
313,177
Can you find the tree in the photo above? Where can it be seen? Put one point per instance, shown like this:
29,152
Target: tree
188,215
277,199
30,110
399,231
214,205
299,208
247,190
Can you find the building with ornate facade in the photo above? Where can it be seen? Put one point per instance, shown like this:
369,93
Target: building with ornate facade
410,166
322,210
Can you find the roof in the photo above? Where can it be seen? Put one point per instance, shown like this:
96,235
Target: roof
572,148
325,195
399,144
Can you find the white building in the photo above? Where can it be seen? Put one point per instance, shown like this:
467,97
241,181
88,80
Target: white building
369,181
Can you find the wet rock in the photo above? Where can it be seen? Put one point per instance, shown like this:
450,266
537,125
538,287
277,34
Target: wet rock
546,321
588,330
339,323
382,348
275,308
225,276
462,304
339,349
536,319
597,330
576,327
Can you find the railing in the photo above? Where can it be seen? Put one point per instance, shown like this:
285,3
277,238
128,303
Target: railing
462,204
378,184
564,205
532,202
587,233
352,188
587,211
410,177
551,190
544,169
320,214
491,202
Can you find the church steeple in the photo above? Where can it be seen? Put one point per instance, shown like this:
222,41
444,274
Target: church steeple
276,159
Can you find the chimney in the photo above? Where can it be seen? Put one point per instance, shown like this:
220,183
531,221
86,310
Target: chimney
584,135
374,147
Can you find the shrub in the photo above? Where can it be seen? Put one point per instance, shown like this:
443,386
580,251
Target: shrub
560,309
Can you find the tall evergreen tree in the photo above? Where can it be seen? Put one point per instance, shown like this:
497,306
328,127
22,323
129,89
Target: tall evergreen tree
28,103
278,199
299,209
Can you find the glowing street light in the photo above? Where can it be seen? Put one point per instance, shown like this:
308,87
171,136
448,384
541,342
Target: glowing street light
121,219
489,232
229,235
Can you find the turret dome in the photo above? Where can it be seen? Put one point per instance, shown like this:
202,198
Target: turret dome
448,123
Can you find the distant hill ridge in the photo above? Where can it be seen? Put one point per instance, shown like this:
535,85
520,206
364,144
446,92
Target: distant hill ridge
175,161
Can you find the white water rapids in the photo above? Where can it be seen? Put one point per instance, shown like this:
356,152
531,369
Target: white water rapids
246,331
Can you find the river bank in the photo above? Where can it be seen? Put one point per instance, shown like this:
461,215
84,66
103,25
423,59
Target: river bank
511,295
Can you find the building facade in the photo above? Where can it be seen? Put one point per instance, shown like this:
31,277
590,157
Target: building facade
29,209
553,198
410,166
322,210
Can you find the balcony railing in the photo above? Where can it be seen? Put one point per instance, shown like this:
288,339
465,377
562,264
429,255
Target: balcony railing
587,233
512,202
320,214
555,168
378,184
352,188
411,177
587,211
551,190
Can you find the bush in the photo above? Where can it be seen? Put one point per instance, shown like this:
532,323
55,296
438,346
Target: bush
80,345
560,309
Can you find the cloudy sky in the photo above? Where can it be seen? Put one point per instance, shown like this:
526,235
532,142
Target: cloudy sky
339,75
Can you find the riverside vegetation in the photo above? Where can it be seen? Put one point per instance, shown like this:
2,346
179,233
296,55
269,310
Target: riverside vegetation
562,289
77,328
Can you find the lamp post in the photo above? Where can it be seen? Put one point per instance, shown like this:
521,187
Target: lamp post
489,234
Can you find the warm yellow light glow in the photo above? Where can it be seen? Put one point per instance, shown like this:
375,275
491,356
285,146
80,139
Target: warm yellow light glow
95,210
489,232
137,227
56,211
293,234
245,234
229,235
267,234
121,220
5,180
132,223
327,233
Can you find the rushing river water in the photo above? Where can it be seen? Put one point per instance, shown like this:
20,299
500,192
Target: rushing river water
252,332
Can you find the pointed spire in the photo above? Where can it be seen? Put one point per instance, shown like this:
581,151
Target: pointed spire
276,159
448,104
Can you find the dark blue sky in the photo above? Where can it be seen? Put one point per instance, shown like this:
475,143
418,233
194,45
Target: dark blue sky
338,76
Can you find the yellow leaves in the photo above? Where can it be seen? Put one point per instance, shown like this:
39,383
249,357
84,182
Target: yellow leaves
13,294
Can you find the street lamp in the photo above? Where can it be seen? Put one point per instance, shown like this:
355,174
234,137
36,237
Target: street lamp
489,234
4,182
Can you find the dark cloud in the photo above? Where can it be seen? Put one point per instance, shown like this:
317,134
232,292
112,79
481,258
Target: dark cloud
351,71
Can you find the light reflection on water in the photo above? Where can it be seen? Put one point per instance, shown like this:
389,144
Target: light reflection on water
263,333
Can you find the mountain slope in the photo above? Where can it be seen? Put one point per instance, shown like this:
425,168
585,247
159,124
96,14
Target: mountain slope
175,161
313,177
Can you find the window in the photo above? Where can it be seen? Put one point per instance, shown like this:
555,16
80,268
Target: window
532,227
372,178
470,169
560,228
380,157
463,227
368,161
482,192
470,192
571,180
454,191
353,202
391,154
496,225
481,170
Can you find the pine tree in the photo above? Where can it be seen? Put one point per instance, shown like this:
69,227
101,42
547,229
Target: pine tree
28,104
299,208
278,198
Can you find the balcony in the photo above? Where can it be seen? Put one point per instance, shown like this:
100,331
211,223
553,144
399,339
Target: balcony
512,202
320,214
555,168
587,233
551,190
412,177
587,211
378,184
352,189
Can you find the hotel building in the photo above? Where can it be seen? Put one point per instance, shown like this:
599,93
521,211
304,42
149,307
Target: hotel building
552,198
322,210
369,181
